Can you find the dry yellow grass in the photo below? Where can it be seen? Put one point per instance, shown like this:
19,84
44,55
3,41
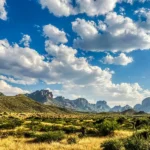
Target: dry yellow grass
89,143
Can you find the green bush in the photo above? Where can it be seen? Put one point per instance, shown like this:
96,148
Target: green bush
71,140
10,123
136,143
29,134
112,145
121,120
107,127
145,134
70,129
92,132
34,125
46,128
50,136
141,123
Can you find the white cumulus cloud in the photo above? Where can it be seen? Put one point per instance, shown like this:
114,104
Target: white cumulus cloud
26,39
90,7
58,7
10,90
119,33
28,81
144,13
122,59
54,34
3,13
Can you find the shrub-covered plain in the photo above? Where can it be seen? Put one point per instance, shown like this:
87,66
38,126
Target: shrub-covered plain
76,131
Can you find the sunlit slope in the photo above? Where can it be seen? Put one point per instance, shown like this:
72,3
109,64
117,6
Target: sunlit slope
21,103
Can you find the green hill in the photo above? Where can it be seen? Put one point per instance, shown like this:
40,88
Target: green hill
21,103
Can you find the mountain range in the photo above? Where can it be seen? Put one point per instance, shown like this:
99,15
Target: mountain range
81,104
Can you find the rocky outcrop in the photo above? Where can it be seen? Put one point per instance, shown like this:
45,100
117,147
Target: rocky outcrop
42,96
101,106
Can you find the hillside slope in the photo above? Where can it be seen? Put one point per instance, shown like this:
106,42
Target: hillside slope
21,103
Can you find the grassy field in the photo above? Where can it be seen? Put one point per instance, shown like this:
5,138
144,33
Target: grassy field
88,143
44,131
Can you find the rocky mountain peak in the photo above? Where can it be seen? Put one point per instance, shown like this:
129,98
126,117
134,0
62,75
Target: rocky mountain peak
101,106
116,109
81,101
46,93
41,96
127,107
101,103
60,98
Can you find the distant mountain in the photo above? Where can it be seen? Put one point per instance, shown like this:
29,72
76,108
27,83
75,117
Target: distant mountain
21,103
81,104
127,107
145,106
120,109
116,109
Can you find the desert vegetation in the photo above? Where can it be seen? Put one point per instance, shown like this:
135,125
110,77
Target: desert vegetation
44,131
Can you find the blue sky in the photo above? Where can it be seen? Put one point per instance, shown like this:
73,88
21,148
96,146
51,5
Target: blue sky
72,47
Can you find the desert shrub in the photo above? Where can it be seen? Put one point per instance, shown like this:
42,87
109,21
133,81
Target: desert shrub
141,123
5,113
81,135
72,140
128,125
121,120
46,128
107,127
10,123
70,129
145,134
6,134
19,132
22,133
112,145
99,121
92,132
34,118
50,136
136,143
34,125
29,134
54,120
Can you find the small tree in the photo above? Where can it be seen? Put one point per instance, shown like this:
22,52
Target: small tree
107,127
112,145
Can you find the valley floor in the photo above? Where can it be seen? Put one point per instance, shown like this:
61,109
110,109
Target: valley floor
89,143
